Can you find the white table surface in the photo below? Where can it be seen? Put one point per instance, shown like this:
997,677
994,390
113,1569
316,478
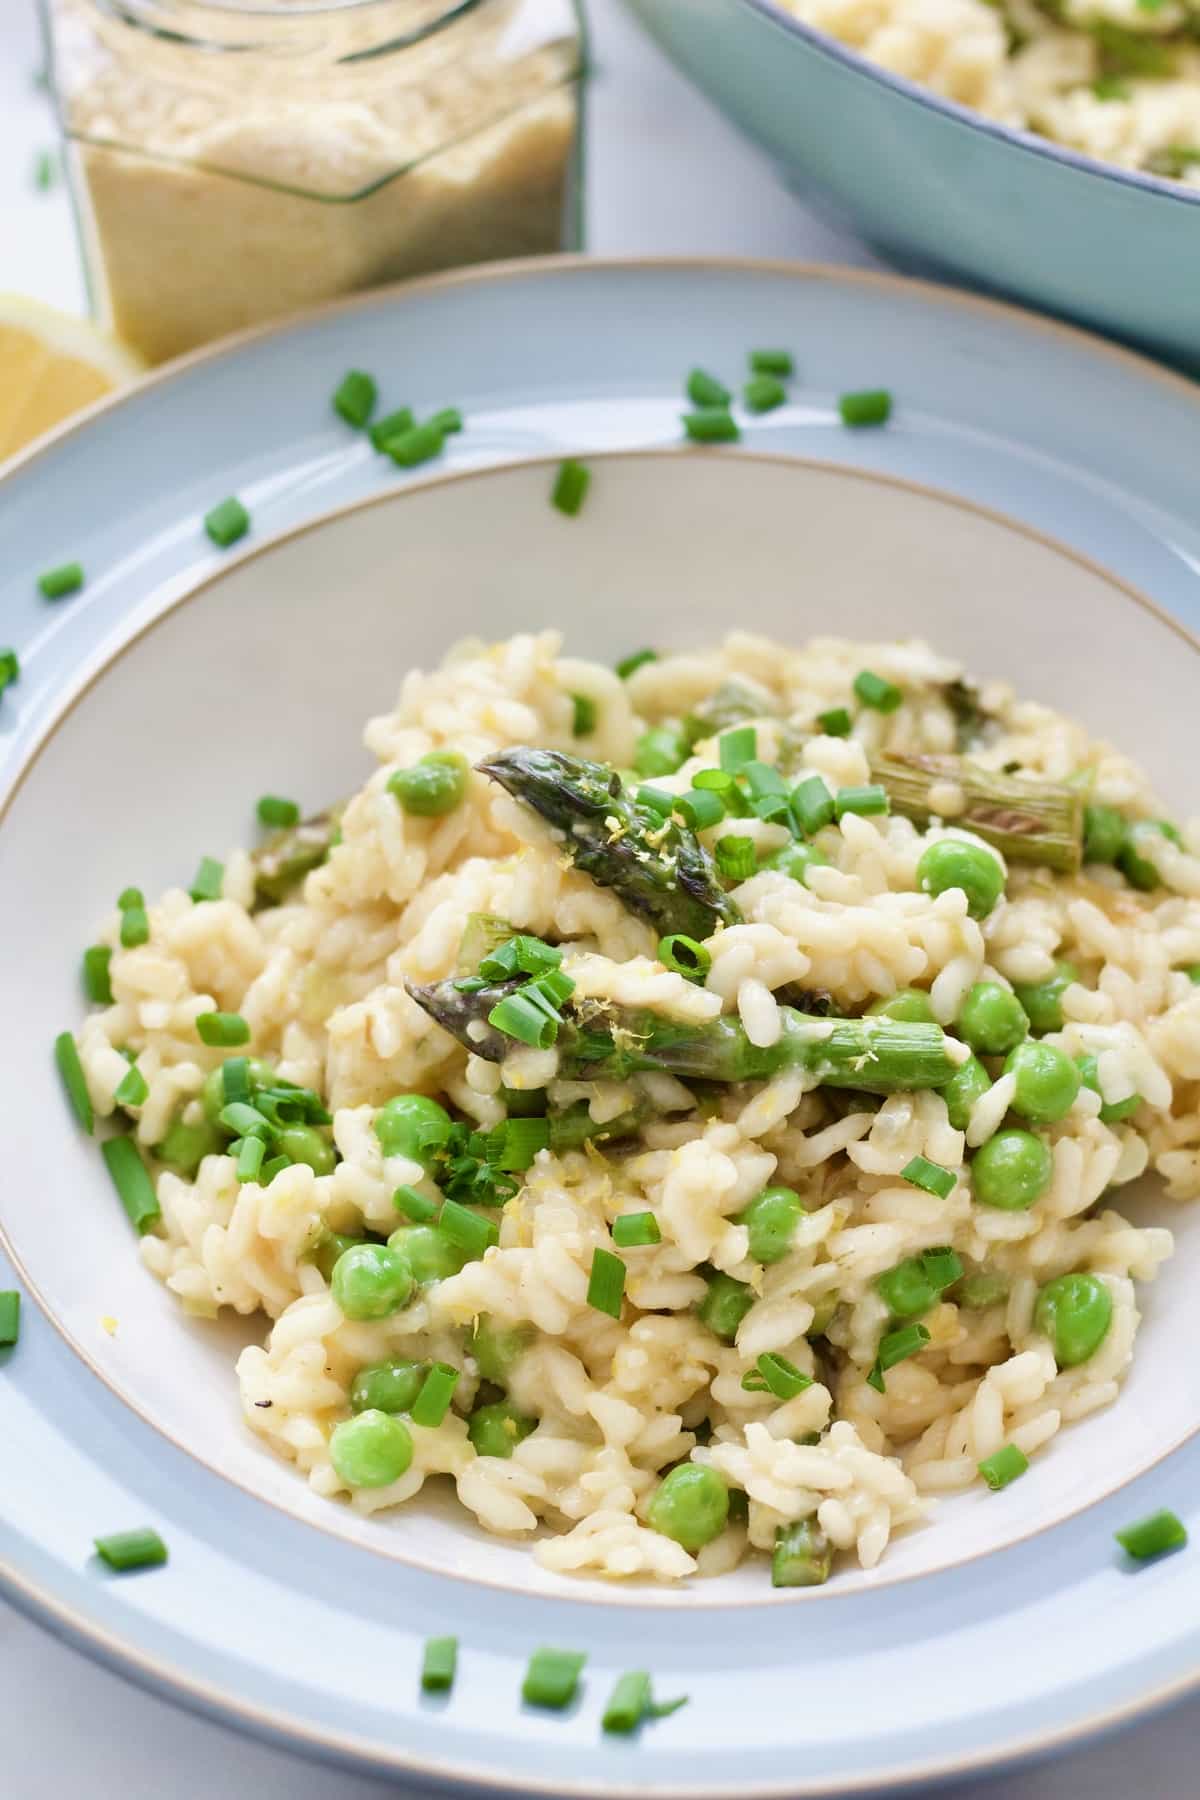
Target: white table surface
665,174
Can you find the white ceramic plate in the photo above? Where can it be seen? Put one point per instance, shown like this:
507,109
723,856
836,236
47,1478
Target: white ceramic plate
153,743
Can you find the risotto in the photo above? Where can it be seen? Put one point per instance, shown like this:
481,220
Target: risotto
1114,79
684,1106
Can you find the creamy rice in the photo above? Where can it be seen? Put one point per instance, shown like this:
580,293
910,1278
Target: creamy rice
323,980
1113,79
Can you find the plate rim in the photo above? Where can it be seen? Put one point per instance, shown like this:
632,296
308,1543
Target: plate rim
121,1650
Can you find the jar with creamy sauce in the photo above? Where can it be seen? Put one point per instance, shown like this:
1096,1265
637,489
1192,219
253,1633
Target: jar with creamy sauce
234,160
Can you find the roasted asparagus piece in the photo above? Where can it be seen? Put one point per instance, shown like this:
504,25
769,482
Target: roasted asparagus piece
597,1041
1027,821
287,856
656,867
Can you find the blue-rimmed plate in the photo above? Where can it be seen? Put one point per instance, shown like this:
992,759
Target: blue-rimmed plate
310,1633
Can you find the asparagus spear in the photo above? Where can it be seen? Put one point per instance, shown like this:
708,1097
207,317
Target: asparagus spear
287,856
596,1041
727,705
1027,821
657,867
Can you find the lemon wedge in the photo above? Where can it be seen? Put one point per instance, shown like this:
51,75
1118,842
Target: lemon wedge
51,365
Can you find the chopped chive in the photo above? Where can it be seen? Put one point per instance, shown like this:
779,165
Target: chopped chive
235,1078
662,1709
864,801
355,398
711,427
135,927
812,803
685,956
433,1402
418,445
552,1678
66,1055
132,1090
930,1176
941,1267
206,883
763,393
226,523
131,1178
467,1229
700,808
836,722
736,748
871,406
57,583
628,664
96,983
45,170
394,425
10,1318
129,898
874,690
131,1549
773,808
250,1153
1002,1467
772,362
1150,1537
762,780
245,1121
439,1664
448,420
657,799
774,1374
737,858
895,1348
606,1283
414,1206
629,1703
630,1231
705,390
519,955
523,1138
222,1030
10,667
519,1017
570,487
714,781
276,813
583,717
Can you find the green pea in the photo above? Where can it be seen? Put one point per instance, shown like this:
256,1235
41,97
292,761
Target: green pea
969,1082
1103,834
909,1005
413,1125
691,1505
980,1290
371,1281
771,1219
389,1387
725,1305
1137,868
371,1450
992,1019
331,1247
1110,1113
185,1146
434,786
1042,1000
212,1094
660,751
1075,1312
1011,1170
906,1290
954,863
429,1252
497,1348
796,860
496,1430
1047,1082
305,1144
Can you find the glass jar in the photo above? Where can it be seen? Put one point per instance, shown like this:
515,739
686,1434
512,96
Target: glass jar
234,161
